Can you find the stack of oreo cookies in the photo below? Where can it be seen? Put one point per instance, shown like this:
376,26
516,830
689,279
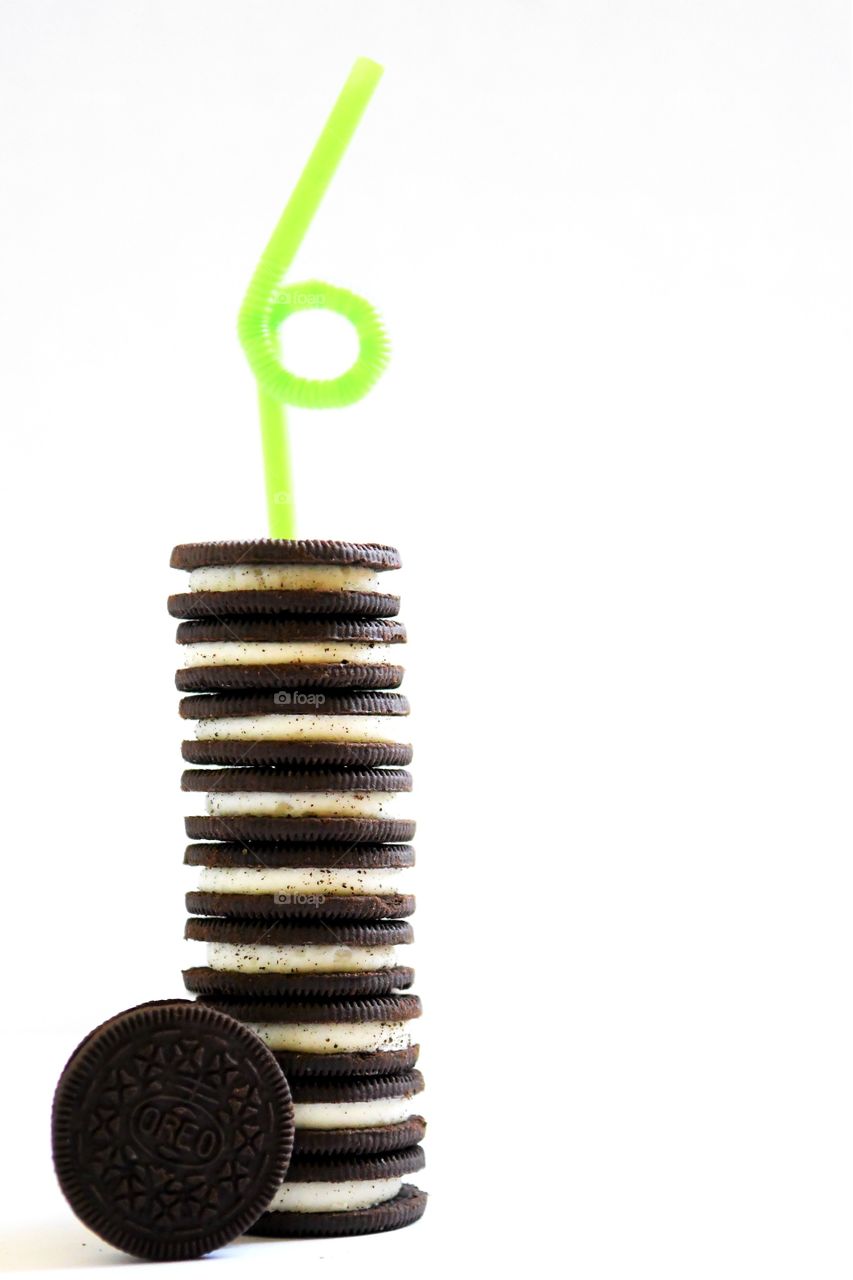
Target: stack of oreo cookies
291,676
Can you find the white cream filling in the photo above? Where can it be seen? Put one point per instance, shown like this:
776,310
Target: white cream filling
319,1197
306,958
305,880
238,653
352,1115
333,1037
309,804
288,577
304,728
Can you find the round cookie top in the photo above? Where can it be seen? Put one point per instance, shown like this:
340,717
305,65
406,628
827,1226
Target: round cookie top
284,933
357,1089
364,631
266,854
172,1128
346,1168
216,706
202,555
289,780
392,1008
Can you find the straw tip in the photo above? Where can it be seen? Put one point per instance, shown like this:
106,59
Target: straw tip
368,68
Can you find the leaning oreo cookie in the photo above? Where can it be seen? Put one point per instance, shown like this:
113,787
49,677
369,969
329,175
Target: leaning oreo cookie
289,578
288,881
349,1196
172,1128
298,727
333,1037
301,959
276,653
356,1116
362,806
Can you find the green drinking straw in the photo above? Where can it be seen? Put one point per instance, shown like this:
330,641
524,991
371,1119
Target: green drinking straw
268,303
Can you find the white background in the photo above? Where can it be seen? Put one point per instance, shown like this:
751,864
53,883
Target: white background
611,242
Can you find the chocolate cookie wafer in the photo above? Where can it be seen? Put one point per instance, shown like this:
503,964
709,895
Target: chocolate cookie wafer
333,1037
381,1062
358,805
298,727
315,881
285,551
357,1116
279,653
345,1196
298,959
289,578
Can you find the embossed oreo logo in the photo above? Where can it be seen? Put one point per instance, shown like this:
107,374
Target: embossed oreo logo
177,1131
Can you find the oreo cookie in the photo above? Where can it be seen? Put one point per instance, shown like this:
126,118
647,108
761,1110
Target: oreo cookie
293,881
357,1116
221,655
351,1037
298,959
172,1128
349,1196
298,727
287,578
344,805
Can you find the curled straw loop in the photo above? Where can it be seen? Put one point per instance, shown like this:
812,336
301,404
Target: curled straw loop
279,383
